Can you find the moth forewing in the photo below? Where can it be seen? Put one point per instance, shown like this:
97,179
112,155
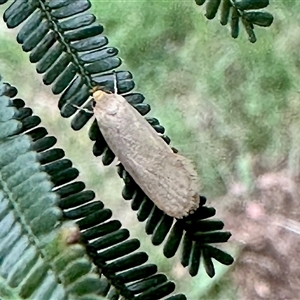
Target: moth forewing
167,178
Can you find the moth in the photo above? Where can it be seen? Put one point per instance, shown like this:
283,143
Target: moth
167,178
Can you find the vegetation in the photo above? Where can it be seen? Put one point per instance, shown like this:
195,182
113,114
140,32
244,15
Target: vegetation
229,105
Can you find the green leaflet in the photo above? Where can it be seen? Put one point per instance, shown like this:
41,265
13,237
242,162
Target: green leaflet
264,19
236,10
212,7
250,4
33,239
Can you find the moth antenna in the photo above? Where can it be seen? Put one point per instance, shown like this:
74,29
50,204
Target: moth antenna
115,83
84,109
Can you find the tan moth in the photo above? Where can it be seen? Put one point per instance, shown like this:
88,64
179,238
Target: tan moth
167,178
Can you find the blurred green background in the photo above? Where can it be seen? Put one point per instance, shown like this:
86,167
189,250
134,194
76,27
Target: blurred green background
229,105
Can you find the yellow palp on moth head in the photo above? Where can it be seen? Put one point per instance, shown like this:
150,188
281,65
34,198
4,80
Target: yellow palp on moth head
97,93
94,89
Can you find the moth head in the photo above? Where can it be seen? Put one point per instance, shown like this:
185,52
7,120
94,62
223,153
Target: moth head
98,93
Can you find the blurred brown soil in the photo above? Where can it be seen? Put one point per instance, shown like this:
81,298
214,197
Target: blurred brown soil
267,226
